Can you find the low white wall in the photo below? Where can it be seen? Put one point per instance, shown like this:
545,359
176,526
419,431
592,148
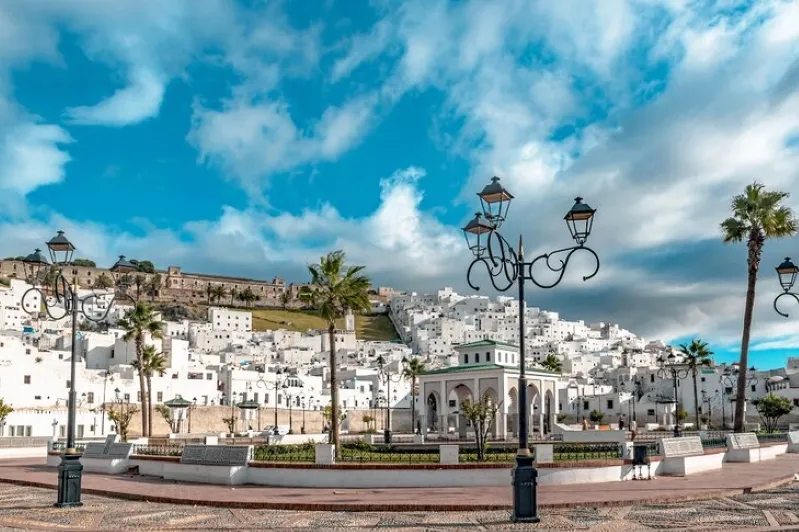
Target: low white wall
583,475
594,436
205,474
295,439
150,468
22,452
378,478
109,466
747,456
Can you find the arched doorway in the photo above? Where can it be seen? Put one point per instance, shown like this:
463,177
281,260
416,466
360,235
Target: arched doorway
432,412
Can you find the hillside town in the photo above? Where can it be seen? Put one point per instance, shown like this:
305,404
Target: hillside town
578,370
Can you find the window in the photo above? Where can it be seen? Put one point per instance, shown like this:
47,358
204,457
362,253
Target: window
68,383
465,359
585,405
159,397
126,397
754,387
138,397
796,402
26,379
703,379
488,357
90,398
650,412
27,351
209,376
610,404
112,353
280,399
652,378
477,358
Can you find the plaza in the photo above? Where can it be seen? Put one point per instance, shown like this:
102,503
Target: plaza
773,508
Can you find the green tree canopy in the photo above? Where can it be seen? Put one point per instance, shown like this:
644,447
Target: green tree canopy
771,408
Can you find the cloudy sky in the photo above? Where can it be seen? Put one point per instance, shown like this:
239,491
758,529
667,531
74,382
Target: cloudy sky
250,137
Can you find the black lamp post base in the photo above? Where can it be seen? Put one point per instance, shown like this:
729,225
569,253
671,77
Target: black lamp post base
70,471
387,437
525,491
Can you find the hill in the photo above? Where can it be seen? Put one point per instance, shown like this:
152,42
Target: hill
375,327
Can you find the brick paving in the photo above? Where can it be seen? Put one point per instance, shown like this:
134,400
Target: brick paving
733,479
28,508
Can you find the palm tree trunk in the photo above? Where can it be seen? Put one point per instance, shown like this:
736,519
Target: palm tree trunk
142,386
413,405
149,405
755,245
334,414
696,398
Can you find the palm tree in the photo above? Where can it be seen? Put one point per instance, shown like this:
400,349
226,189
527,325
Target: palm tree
5,411
335,288
757,215
697,355
103,282
209,292
139,321
552,363
152,362
153,286
411,371
141,282
233,294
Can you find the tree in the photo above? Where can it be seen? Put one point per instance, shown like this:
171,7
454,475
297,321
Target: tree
482,414
144,266
103,282
151,363
140,282
285,299
596,416
233,293
153,286
411,371
697,355
335,288
219,293
121,417
771,408
757,215
231,424
209,292
5,411
368,420
552,363
138,322
166,413
86,263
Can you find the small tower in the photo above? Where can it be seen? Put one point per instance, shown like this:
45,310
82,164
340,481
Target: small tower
349,321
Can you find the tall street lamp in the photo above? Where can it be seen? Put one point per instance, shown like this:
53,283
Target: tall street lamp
506,266
59,298
671,369
385,373
786,272
279,383
290,396
729,377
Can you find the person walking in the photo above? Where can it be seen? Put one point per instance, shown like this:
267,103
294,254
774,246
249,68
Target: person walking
585,423
621,423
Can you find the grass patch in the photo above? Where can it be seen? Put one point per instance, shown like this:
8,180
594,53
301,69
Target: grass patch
376,327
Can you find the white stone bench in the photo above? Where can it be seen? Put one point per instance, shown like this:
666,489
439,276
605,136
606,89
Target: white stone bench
211,464
793,441
109,457
743,447
686,456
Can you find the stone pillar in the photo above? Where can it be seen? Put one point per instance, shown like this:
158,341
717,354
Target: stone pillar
443,409
541,412
502,425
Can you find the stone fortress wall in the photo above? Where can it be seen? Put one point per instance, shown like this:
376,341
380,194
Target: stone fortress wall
177,286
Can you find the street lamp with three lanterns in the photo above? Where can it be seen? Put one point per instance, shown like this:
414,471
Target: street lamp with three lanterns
669,368
384,373
507,267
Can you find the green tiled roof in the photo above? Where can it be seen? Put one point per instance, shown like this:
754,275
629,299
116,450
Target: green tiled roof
486,343
484,367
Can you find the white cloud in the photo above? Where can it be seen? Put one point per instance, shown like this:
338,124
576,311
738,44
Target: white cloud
140,100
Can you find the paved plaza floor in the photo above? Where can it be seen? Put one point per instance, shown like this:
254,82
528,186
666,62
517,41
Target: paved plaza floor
29,508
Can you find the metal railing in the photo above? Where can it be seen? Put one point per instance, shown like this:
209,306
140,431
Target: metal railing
170,449
284,453
772,437
364,453
576,452
715,443
61,446
491,454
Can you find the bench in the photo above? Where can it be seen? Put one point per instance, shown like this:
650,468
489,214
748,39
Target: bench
686,456
211,464
793,441
743,447
108,457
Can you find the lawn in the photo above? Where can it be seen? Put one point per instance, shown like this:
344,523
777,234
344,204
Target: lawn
377,327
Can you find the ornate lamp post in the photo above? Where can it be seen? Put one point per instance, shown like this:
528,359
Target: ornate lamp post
671,369
385,373
729,378
786,272
59,298
279,383
506,266
290,396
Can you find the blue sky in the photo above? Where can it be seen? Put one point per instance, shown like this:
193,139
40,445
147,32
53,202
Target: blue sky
248,138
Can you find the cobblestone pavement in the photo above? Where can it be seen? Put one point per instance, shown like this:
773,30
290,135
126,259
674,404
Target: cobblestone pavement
25,508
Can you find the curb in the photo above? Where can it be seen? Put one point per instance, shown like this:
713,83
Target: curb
403,507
